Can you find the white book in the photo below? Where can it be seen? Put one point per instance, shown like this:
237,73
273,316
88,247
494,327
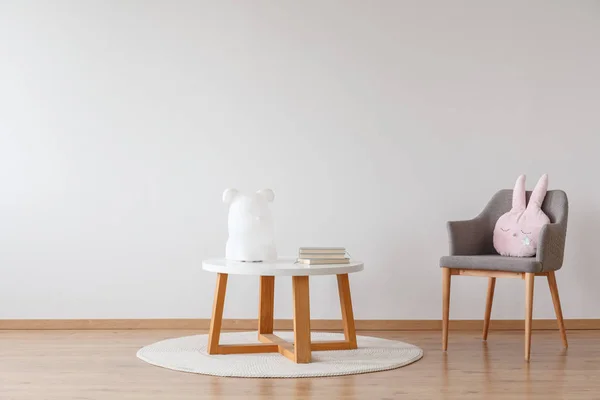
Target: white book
336,256
322,250
316,261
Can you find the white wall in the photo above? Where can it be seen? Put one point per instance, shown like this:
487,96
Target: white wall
121,122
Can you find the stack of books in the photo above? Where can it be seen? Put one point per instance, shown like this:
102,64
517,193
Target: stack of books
322,255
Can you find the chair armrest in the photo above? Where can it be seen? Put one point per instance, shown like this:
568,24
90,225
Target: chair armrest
551,247
467,238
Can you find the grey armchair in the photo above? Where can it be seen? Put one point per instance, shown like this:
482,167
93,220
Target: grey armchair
472,254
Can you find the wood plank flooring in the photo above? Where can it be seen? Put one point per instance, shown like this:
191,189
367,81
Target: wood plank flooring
86,365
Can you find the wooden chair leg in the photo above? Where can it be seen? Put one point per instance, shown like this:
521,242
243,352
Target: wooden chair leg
488,306
217,315
529,279
266,304
445,306
557,309
302,346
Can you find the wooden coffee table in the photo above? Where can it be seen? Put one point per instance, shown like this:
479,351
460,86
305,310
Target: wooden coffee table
300,350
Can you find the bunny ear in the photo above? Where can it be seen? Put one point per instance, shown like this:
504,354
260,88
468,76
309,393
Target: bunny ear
518,202
538,194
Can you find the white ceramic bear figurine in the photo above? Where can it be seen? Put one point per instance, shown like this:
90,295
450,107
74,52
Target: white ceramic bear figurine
250,224
517,232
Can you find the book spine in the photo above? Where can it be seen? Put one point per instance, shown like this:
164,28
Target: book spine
323,261
321,252
324,256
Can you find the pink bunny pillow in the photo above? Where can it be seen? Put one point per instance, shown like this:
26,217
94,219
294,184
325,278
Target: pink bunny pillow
517,232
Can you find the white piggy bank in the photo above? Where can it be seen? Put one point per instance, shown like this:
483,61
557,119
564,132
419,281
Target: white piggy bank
250,225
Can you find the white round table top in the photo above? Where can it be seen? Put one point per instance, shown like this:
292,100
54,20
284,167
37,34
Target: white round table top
281,267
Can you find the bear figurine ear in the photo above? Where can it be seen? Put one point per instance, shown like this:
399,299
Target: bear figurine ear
229,195
267,194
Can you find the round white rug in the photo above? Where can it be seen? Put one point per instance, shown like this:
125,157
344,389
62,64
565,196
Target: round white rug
189,354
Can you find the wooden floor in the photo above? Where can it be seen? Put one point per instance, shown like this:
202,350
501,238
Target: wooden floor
45,365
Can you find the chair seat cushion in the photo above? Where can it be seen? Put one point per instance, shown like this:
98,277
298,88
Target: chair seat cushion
492,262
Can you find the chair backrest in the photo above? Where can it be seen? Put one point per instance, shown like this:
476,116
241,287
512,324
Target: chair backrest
555,205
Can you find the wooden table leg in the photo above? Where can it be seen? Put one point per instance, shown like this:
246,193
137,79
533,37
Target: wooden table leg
302,346
266,305
217,314
347,313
